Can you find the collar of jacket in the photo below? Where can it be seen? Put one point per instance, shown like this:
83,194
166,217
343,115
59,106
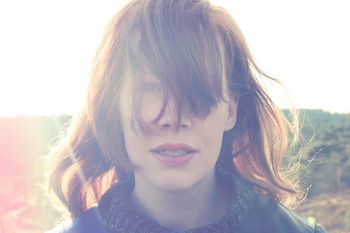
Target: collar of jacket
119,214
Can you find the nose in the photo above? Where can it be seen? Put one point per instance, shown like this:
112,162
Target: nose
172,120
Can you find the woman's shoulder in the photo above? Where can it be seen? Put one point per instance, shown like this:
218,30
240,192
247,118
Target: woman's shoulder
267,215
87,222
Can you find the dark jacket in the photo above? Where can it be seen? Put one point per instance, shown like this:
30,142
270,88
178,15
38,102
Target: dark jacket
266,216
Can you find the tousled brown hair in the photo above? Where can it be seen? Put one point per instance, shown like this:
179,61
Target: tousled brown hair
189,46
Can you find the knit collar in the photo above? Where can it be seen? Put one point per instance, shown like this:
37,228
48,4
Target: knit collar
119,214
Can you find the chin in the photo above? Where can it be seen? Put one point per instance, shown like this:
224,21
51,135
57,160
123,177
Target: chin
174,183
175,186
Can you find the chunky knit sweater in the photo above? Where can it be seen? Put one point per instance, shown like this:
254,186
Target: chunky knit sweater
249,213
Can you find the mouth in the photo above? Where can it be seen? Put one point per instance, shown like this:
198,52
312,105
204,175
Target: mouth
174,155
174,150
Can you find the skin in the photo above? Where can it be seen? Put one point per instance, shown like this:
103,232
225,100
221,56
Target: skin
170,195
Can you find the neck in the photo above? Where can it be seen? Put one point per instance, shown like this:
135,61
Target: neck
200,205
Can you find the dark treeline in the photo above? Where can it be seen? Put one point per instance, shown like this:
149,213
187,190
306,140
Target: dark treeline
326,147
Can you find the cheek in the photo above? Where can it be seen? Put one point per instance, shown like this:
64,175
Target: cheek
214,125
131,139
212,140
151,106
148,107
212,130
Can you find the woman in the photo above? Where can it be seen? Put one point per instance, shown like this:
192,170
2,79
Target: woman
177,134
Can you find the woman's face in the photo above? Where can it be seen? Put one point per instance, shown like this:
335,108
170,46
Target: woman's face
172,158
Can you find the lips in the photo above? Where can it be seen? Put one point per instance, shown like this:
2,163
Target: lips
173,149
174,155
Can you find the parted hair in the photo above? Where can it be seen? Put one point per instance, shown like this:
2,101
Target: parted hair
189,45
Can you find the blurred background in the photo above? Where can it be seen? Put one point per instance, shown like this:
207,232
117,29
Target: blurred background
46,48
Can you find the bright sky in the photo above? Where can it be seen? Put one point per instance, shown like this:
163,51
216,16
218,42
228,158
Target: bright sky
46,48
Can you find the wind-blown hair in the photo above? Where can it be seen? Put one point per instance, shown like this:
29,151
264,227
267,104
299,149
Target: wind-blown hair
190,45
